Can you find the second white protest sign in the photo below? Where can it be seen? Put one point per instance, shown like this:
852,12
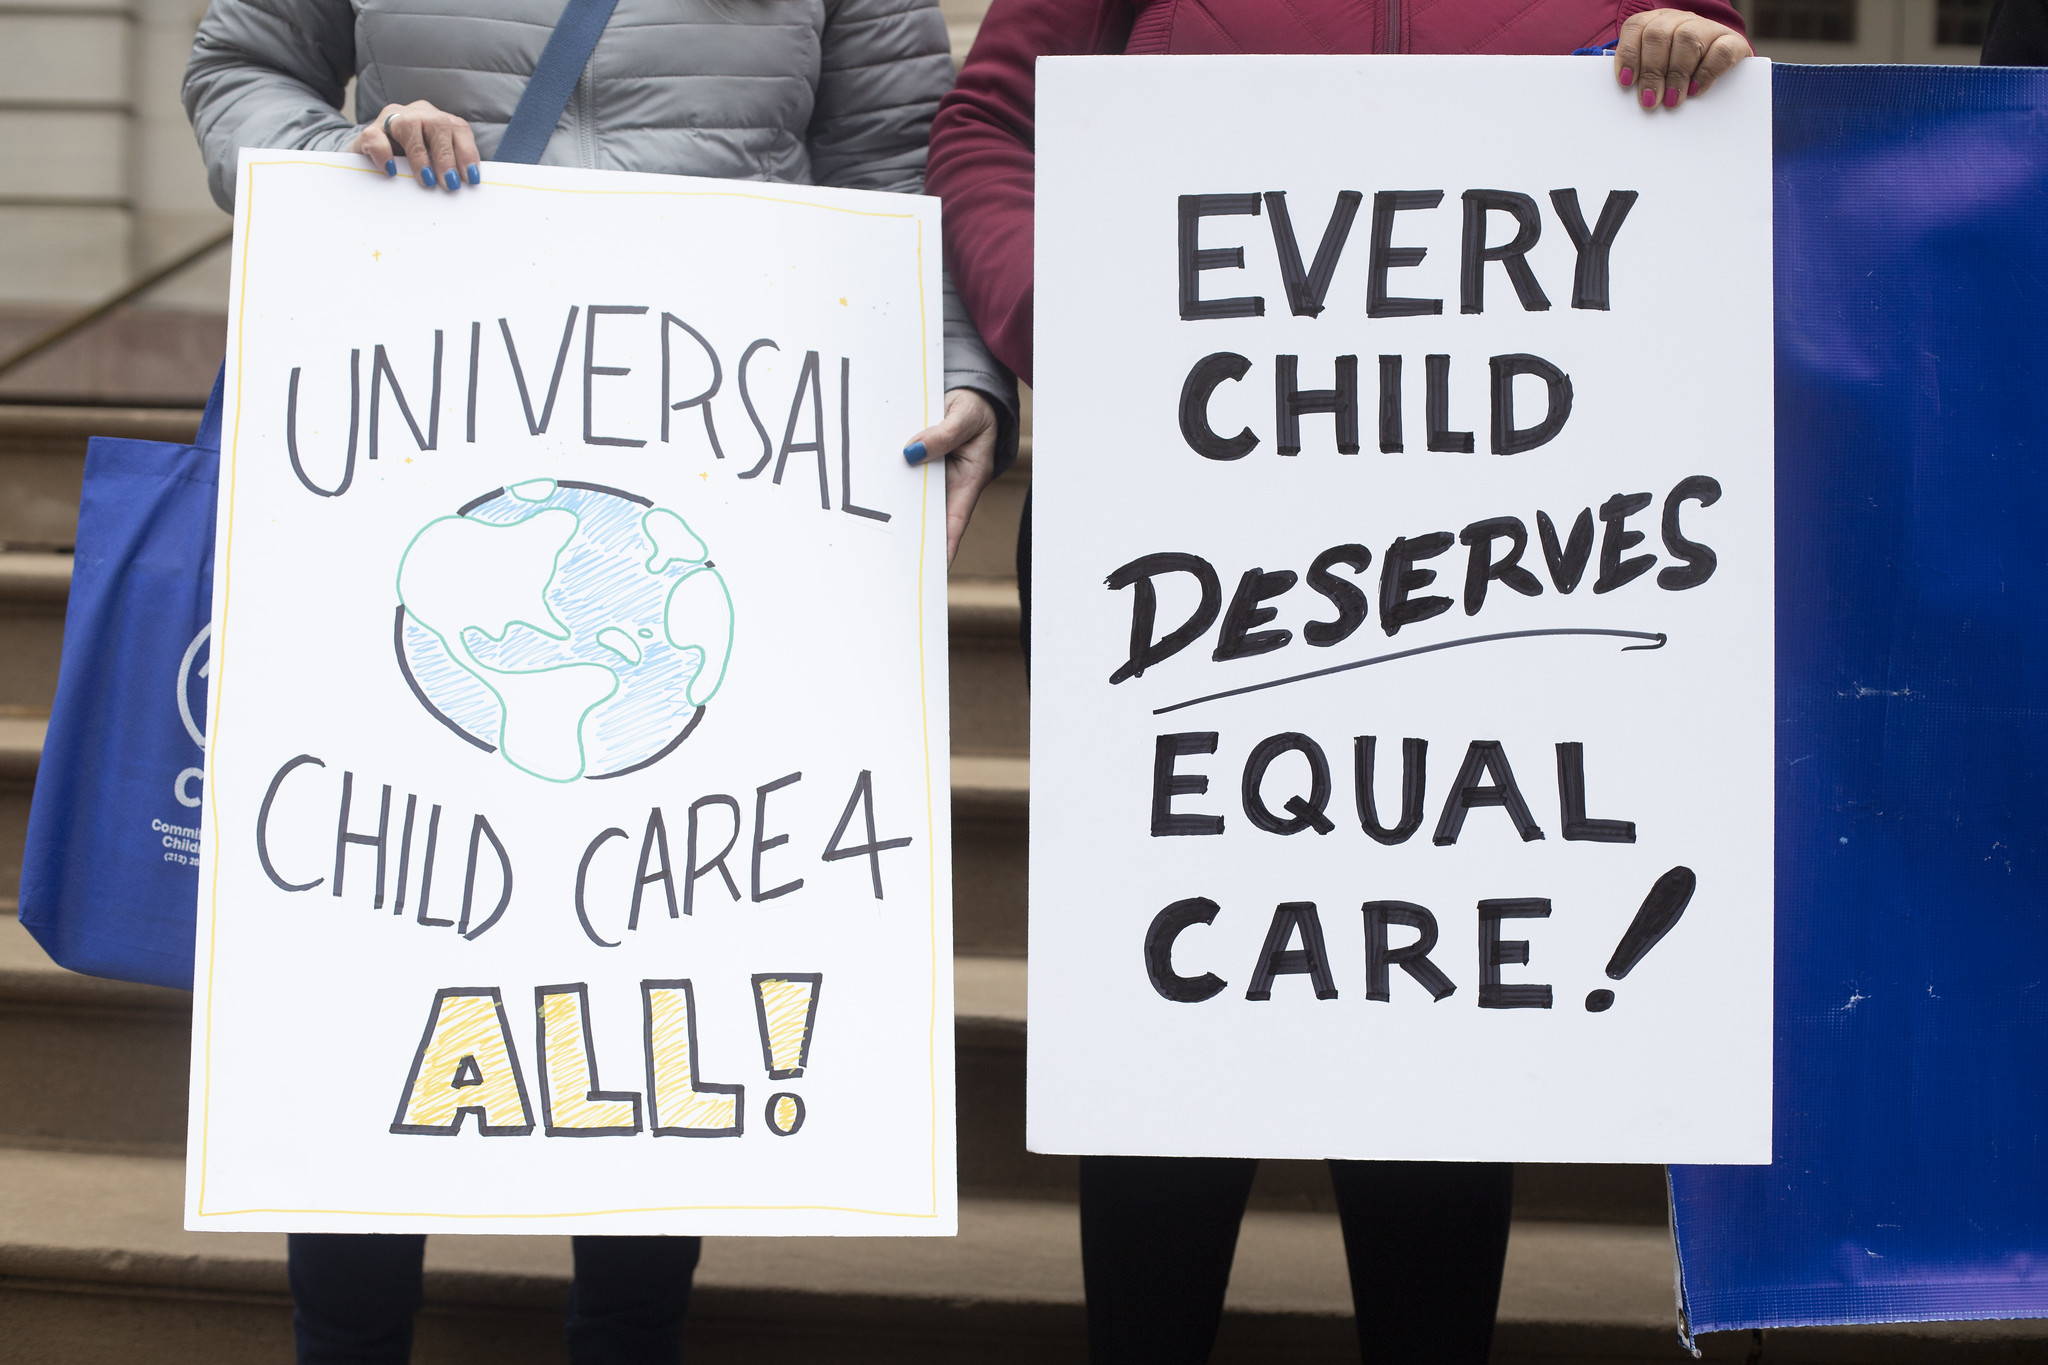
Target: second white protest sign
1402,768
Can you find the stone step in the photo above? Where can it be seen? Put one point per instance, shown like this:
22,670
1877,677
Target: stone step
34,586
95,1265
42,459
989,548
98,1065
21,751
990,711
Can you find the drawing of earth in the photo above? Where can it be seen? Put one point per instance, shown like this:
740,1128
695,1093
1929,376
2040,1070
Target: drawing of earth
576,630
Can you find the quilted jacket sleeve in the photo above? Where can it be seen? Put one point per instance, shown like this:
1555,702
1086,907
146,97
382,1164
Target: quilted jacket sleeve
885,65
268,73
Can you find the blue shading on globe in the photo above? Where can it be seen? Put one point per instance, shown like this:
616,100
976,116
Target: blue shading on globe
576,630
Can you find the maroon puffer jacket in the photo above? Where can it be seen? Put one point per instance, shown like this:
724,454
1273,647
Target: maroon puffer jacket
981,155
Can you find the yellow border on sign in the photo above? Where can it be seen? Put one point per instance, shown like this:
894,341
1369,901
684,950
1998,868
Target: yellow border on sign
230,454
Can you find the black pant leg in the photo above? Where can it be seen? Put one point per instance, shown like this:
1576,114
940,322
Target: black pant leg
354,1296
1157,1238
629,1299
1426,1241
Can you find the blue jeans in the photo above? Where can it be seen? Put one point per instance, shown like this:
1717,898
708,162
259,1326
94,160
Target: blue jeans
355,1294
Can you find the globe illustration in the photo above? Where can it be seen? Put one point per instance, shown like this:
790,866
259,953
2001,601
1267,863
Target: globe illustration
575,630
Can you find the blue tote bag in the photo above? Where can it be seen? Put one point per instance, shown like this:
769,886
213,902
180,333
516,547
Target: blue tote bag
110,874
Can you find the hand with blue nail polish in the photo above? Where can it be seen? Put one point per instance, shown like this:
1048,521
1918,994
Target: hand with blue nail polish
439,148
965,438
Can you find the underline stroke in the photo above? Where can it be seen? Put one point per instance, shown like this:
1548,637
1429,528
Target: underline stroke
1657,641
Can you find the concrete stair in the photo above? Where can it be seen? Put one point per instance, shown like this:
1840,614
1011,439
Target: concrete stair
95,1266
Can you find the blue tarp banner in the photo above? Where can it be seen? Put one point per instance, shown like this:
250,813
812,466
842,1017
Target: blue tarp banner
1911,1172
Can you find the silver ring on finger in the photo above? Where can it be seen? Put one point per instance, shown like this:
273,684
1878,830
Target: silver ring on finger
390,136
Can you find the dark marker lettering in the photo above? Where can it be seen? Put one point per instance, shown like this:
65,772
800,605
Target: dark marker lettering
343,837
653,843
1348,598
1166,927
701,401
1305,292
1699,561
547,411
591,370
1508,439
1412,958
1399,578
1414,777
1495,953
1236,639
1436,408
291,428
1138,575
1290,401
1615,571
1167,784
1476,253
1567,562
1194,258
263,825
763,845
1484,758
1307,811
1589,281
381,373
808,375
1386,256
754,416
1483,568
1571,802
692,869
1210,371
863,796
1311,959
1390,405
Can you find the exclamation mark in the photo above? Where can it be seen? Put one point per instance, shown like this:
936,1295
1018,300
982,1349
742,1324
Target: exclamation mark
786,1006
1661,908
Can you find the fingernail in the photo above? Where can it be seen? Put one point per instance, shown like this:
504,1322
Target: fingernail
391,168
1628,75
451,180
475,176
914,453
1692,90
1649,98
1671,98
427,176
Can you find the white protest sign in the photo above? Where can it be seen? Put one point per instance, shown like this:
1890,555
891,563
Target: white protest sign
575,847
1402,672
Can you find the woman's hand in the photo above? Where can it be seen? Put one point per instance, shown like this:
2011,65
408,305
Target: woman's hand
437,147
1673,54
965,439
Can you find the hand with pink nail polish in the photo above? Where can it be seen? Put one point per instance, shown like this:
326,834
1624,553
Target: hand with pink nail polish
1674,55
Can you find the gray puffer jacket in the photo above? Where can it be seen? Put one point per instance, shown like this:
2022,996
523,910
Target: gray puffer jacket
826,92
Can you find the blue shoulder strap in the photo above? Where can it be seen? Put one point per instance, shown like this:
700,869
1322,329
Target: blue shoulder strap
554,79
209,421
